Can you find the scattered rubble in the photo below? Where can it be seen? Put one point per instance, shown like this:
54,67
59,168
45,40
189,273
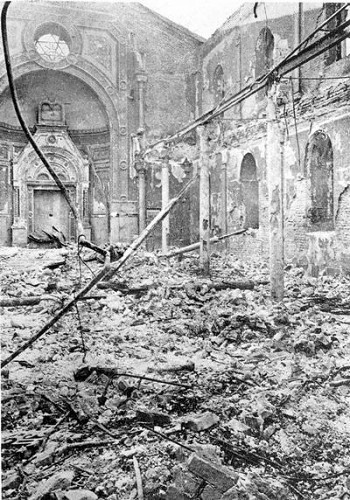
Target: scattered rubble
166,386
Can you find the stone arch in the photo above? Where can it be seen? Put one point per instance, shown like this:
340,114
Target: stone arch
115,106
85,72
65,164
249,192
319,170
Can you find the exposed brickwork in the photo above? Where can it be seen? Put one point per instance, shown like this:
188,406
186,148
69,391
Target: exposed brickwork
317,108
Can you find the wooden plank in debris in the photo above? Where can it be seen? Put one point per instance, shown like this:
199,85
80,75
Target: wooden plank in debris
196,246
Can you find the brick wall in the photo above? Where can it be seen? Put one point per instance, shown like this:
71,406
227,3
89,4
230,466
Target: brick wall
315,250
323,105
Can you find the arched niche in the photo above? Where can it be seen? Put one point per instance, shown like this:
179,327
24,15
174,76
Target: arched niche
264,49
83,71
249,192
218,84
82,105
319,170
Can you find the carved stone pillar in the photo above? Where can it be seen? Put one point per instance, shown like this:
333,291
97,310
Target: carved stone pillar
141,173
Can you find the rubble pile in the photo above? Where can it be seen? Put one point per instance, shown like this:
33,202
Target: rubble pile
164,384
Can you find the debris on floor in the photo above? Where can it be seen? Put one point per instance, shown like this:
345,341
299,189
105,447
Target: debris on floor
163,384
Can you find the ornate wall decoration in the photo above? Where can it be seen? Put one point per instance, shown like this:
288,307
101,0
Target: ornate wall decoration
4,150
100,152
100,50
98,55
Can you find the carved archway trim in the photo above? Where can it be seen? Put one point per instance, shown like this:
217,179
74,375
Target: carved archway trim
64,159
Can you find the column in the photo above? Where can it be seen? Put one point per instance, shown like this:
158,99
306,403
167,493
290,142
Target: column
224,158
165,201
204,201
141,173
275,181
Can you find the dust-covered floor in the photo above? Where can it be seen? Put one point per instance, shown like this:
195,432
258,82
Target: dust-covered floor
259,387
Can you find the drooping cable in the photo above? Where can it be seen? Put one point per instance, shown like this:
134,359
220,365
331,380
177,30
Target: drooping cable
295,123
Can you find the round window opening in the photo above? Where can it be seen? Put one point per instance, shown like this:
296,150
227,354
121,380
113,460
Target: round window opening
52,42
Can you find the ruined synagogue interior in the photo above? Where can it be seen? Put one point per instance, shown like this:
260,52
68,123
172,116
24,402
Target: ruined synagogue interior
174,253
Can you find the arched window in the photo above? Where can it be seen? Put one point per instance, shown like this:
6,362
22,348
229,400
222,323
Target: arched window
218,84
264,55
319,169
250,192
264,52
43,177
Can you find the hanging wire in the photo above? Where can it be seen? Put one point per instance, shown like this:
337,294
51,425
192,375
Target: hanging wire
260,82
295,123
81,260
81,330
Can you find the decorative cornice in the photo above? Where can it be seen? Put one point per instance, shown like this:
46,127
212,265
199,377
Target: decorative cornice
91,131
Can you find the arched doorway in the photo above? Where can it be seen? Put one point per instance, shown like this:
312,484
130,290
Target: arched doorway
73,124
40,205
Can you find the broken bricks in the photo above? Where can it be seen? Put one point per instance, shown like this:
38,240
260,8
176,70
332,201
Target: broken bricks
201,422
203,479
217,475
152,417
60,481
